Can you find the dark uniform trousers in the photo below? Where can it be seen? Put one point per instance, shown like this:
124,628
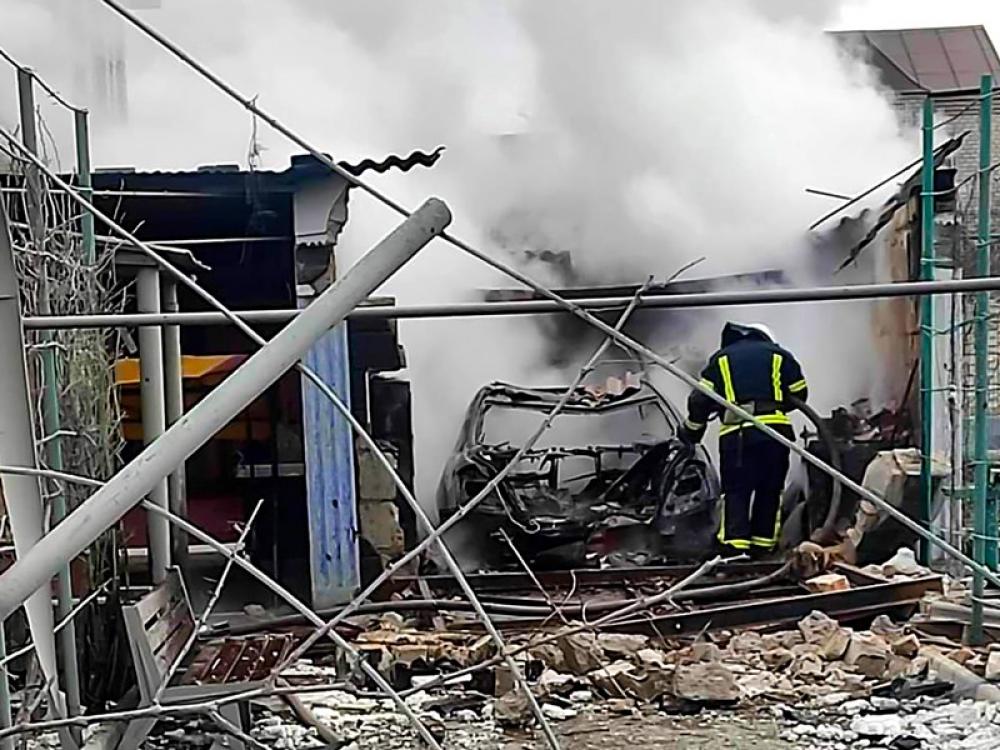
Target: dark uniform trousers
752,371
753,469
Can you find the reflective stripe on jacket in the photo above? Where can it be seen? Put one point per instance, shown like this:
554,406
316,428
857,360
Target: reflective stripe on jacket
752,372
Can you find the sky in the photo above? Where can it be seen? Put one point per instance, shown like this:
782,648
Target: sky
901,14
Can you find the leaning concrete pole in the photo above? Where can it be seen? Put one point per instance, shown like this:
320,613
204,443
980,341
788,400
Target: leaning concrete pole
102,509
22,495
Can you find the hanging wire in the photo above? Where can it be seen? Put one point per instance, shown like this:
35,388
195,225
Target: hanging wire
55,95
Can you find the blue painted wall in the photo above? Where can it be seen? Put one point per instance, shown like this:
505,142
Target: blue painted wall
329,459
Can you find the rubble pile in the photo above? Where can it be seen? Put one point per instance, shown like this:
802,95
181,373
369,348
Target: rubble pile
817,660
826,683
885,722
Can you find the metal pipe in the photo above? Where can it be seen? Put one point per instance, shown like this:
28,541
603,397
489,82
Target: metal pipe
81,130
173,371
982,344
218,408
154,419
536,307
51,420
927,324
137,193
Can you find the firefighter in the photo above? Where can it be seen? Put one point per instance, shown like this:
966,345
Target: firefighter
750,370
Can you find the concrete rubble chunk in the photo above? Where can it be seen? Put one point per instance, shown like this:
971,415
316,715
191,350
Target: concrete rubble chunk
807,666
899,666
906,645
918,666
706,683
646,685
885,627
550,655
880,703
778,658
622,645
758,683
745,643
581,653
557,713
904,563
879,725
606,678
993,666
503,680
650,658
512,710
828,582
556,683
869,654
705,651
836,643
816,627
961,655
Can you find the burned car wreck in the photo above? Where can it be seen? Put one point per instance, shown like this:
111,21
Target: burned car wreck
607,483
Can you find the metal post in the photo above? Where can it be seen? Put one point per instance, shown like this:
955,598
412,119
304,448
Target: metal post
219,407
154,414
982,338
51,420
82,134
992,549
927,326
173,372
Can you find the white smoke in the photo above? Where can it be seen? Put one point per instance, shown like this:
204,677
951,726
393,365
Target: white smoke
636,135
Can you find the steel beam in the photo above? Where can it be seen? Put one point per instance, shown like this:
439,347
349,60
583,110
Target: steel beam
154,419
927,327
540,307
874,599
51,421
981,467
219,407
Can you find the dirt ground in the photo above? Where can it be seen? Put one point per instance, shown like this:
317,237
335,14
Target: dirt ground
656,731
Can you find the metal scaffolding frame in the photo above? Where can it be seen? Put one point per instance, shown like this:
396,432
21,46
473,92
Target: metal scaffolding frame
127,488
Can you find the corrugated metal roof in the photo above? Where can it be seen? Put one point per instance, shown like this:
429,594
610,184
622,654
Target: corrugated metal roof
301,165
931,59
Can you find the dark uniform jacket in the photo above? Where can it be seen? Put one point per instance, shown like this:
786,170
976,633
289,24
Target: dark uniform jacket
752,371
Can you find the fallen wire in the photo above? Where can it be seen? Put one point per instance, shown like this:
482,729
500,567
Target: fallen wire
210,605
59,625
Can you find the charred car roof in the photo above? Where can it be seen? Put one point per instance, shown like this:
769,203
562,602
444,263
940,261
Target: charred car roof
615,393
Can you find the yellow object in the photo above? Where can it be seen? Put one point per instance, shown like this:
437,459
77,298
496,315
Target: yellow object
193,367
